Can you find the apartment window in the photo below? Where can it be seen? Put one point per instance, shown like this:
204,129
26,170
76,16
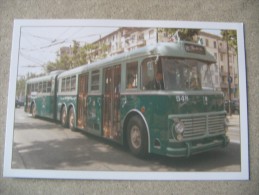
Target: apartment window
207,42
221,57
216,68
216,79
230,58
151,34
216,56
215,44
222,69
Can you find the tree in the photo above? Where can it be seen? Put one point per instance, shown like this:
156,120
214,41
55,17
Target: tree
20,87
231,37
78,56
184,34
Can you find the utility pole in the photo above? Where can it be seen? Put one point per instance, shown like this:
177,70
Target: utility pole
229,78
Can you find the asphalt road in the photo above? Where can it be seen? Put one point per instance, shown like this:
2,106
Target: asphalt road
44,144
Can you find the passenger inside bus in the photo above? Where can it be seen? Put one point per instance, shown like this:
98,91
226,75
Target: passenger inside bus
130,82
157,83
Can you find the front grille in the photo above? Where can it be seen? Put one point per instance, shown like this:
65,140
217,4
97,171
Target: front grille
199,125
194,126
216,124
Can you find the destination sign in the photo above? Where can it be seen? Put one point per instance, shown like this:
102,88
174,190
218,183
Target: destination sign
194,48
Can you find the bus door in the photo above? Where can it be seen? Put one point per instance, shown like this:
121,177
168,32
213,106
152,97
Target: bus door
82,101
111,107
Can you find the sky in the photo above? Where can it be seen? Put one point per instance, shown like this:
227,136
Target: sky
40,45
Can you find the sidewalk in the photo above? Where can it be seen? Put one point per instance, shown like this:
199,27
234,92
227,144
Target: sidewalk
234,120
234,128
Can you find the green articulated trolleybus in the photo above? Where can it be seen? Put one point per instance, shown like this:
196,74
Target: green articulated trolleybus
156,99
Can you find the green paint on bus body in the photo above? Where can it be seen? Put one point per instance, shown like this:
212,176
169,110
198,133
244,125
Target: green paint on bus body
94,114
159,110
177,123
45,106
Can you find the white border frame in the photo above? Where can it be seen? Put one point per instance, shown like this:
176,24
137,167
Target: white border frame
106,175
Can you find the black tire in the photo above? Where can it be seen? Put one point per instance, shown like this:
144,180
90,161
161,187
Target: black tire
137,137
63,117
71,119
33,110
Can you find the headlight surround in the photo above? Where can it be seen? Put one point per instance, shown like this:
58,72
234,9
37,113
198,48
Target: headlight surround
178,129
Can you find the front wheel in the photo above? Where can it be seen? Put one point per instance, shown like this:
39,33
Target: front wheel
137,137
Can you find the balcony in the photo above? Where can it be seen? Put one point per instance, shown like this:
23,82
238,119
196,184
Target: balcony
135,43
224,85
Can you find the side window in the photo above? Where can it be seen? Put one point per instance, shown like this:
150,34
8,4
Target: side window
63,85
36,87
40,87
95,77
73,83
49,86
29,88
44,87
152,77
68,84
132,75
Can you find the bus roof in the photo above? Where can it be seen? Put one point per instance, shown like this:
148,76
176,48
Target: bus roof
48,77
180,49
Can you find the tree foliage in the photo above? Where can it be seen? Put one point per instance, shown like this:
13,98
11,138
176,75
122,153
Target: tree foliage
20,87
231,37
77,57
184,34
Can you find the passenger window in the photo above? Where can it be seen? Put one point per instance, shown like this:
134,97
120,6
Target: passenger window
63,85
36,87
152,77
49,87
73,83
68,84
40,87
44,87
95,76
132,75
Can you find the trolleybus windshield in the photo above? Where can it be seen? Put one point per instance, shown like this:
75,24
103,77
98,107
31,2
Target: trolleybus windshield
186,74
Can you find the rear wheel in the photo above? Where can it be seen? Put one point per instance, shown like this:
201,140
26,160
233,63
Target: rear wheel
33,110
71,119
137,137
64,117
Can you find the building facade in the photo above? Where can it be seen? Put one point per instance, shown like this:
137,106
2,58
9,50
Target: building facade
225,71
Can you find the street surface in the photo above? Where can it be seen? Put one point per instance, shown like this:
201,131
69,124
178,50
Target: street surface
44,144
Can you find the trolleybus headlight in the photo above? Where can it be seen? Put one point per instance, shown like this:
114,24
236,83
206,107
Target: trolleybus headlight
179,129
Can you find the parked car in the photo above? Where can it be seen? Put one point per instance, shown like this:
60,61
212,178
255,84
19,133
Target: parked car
18,103
234,106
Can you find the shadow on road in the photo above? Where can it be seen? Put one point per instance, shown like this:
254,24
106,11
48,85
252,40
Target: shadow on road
90,153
